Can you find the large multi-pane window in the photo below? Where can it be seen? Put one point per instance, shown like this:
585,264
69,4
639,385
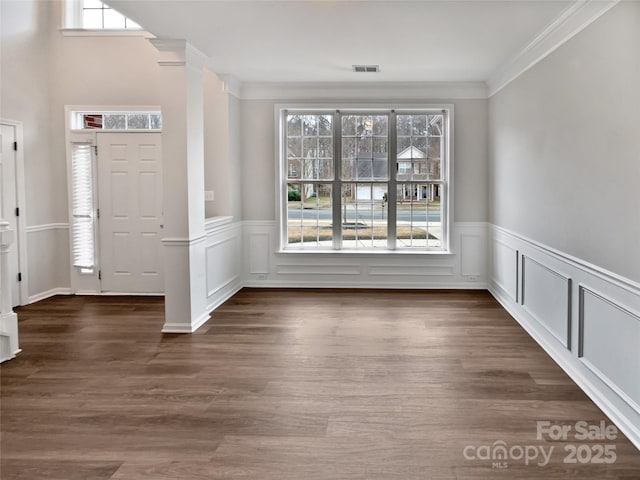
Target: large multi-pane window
365,180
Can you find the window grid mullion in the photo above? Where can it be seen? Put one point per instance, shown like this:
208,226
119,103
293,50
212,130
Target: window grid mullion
427,225
336,194
392,189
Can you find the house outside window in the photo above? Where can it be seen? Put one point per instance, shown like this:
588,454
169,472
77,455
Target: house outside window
365,179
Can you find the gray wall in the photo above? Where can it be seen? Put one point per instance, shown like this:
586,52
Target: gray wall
470,168
565,146
216,146
25,96
221,149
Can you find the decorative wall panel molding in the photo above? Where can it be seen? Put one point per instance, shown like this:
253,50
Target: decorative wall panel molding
259,253
505,268
318,269
220,271
473,255
411,270
546,296
223,257
605,326
609,338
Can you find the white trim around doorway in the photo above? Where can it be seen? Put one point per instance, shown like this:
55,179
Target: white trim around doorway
23,294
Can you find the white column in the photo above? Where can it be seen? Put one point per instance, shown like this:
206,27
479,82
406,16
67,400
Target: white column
8,319
183,172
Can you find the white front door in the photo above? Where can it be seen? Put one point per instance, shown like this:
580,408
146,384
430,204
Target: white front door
130,205
9,201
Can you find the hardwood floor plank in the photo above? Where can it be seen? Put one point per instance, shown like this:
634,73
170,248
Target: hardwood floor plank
58,470
216,470
287,385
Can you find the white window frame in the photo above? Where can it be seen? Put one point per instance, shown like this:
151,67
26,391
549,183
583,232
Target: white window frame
280,112
72,19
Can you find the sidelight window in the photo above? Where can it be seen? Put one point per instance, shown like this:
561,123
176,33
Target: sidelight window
82,212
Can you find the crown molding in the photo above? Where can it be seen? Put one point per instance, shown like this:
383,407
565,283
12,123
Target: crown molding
361,90
575,18
177,53
230,85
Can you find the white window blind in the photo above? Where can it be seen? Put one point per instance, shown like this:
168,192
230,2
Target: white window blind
82,205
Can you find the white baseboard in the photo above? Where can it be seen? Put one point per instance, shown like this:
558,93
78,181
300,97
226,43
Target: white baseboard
186,328
120,294
49,293
377,285
227,293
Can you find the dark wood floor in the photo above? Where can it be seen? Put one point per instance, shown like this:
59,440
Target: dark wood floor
288,385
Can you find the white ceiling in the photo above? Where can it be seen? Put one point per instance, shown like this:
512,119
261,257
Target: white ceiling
319,41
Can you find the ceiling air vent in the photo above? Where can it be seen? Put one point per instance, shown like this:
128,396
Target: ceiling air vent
366,68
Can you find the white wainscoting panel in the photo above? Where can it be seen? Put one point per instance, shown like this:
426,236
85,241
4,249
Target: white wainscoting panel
223,254
609,345
409,270
505,268
259,253
220,271
465,267
318,269
473,250
567,302
546,296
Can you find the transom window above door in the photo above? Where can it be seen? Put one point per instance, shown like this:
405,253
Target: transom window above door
113,120
365,179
